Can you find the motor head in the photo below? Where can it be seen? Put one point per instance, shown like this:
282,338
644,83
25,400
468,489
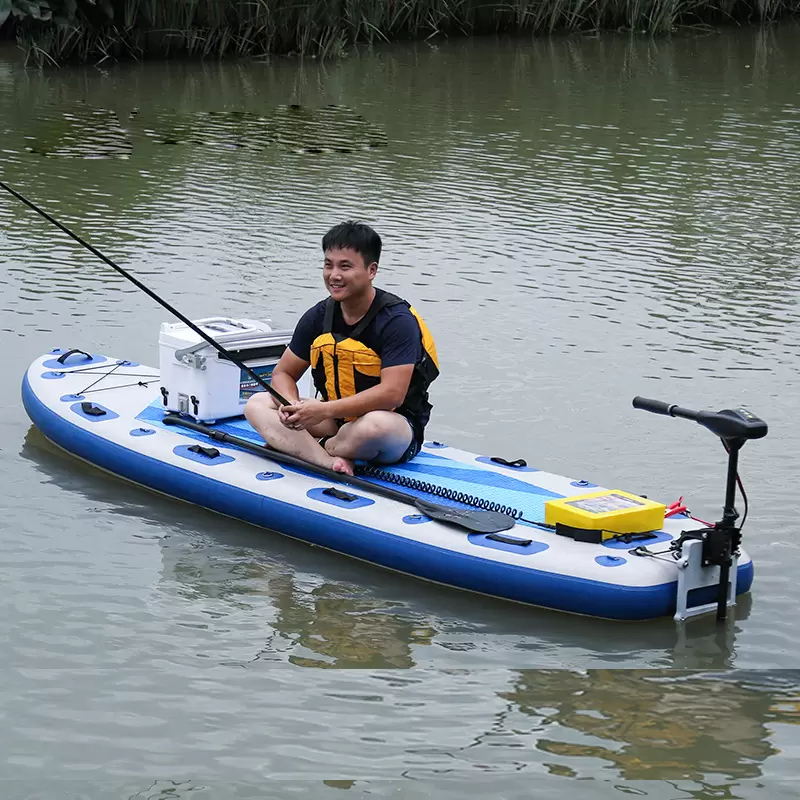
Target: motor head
736,423
727,424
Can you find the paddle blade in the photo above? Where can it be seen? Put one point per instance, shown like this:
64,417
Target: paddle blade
476,520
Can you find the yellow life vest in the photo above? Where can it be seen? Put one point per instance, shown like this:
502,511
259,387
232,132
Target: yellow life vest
342,366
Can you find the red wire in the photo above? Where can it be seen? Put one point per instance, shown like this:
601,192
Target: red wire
678,508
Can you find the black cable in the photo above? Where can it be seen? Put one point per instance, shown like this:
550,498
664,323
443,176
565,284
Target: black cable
744,497
439,491
740,485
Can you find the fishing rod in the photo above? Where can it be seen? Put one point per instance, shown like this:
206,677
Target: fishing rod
136,282
489,521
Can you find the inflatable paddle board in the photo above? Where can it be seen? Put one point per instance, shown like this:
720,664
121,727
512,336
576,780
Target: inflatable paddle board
110,413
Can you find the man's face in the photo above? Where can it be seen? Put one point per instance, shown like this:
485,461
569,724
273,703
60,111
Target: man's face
346,273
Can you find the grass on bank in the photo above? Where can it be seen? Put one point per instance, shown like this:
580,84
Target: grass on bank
92,31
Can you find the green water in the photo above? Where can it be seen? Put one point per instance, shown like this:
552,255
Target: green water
579,220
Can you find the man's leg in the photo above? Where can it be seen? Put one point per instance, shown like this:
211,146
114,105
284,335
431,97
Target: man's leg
379,436
262,413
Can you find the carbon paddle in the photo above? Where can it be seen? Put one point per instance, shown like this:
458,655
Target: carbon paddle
475,520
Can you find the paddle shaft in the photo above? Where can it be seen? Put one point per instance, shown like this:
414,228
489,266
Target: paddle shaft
136,282
284,458
475,520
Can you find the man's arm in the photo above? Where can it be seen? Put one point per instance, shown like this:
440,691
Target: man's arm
287,372
296,358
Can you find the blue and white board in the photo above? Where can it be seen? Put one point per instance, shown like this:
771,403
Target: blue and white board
129,439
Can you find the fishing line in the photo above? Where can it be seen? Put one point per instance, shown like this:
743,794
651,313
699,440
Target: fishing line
136,282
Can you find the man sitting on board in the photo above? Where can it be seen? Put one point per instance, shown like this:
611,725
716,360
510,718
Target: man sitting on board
372,359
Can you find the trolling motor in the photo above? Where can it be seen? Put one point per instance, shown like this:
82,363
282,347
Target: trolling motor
718,543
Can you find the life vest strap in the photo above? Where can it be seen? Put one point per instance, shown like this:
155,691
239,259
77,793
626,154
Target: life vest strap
383,300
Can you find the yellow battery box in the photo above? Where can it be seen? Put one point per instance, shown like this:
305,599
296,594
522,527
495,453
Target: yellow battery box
609,510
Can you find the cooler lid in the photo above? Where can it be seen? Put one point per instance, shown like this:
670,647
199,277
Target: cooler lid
225,330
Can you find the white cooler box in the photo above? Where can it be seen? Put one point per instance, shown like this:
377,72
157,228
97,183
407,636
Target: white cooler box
198,381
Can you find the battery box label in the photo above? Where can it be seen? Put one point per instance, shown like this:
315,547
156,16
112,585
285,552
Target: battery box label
604,503
248,385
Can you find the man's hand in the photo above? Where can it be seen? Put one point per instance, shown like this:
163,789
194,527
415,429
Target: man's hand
283,415
304,414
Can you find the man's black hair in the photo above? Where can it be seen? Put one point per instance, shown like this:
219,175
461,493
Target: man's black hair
355,236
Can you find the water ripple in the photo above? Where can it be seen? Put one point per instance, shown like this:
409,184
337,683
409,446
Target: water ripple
579,221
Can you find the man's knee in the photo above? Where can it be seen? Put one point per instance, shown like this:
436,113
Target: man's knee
379,427
375,425
370,426
258,404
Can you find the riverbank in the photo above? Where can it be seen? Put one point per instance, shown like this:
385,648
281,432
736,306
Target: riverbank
53,32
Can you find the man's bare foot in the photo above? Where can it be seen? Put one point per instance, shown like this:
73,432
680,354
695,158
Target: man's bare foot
344,465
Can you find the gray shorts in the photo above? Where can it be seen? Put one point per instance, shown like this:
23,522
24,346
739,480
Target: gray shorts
417,438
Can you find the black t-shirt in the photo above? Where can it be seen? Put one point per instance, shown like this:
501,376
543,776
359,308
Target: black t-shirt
394,335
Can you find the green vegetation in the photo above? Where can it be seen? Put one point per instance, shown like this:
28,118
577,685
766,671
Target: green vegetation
54,31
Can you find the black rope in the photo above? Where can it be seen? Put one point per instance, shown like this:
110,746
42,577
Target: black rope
104,375
129,375
122,386
439,491
119,375
96,369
